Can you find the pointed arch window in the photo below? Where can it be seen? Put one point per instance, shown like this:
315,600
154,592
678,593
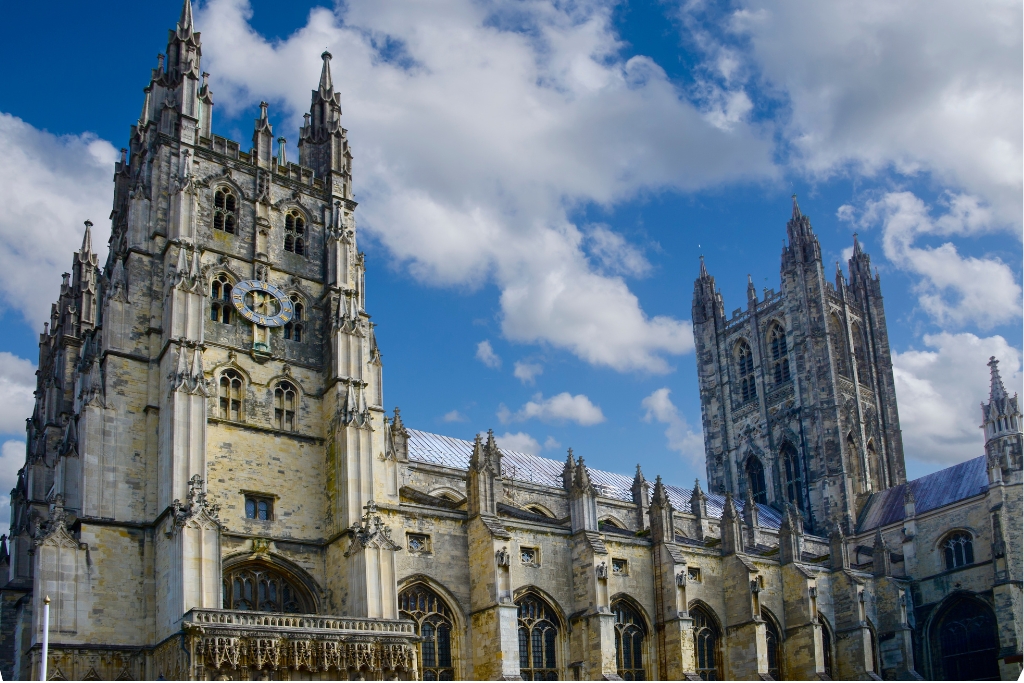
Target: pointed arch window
780,353
706,644
745,371
225,211
968,642
837,333
538,640
435,626
794,476
774,641
285,398
630,642
232,387
259,588
755,479
958,550
296,327
295,233
826,646
861,355
221,309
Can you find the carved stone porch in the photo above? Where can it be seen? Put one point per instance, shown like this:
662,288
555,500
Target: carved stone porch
239,645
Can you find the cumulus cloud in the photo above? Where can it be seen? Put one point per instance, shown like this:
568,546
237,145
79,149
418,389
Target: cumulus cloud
561,408
12,458
916,86
17,384
614,253
520,442
49,185
454,416
939,389
486,355
678,434
478,129
953,289
527,372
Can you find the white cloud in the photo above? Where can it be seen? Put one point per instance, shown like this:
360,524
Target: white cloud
17,385
919,85
551,443
680,437
953,289
527,372
561,408
614,253
49,186
473,145
486,355
12,459
454,416
520,442
939,390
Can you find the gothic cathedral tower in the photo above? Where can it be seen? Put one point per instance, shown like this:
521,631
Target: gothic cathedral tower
797,394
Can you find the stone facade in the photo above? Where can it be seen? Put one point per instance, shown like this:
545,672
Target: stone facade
212,489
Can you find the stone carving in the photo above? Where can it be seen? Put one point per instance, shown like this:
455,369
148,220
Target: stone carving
681,578
503,558
197,504
602,570
372,530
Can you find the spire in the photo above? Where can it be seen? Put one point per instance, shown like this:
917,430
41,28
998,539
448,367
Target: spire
998,391
796,208
185,25
326,85
856,246
703,268
87,238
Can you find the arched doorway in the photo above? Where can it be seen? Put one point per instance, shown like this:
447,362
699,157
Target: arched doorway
707,639
630,641
966,641
539,639
435,625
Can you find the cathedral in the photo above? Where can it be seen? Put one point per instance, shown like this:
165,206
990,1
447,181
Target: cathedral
212,489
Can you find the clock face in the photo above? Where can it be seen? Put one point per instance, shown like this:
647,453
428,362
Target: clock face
262,303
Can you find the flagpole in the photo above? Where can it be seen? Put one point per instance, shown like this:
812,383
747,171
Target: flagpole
46,637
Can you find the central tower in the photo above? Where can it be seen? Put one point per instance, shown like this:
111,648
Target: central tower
797,394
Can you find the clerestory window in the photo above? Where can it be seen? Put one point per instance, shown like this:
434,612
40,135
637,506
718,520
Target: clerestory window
958,550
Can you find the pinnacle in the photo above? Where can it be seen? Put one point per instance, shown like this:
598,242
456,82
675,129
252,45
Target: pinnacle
185,24
998,391
326,85
796,208
87,238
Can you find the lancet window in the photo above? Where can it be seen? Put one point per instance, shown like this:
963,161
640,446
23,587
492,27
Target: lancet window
826,646
794,475
284,406
225,211
780,353
861,354
435,626
958,550
745,371
232,387
706,643
295,233
221,309
630,642
774,641
755,479
259,588
295,327
837,333
538,640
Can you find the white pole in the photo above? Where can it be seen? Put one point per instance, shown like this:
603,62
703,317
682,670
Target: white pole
46,637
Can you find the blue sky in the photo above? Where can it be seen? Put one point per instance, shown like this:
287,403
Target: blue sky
538,179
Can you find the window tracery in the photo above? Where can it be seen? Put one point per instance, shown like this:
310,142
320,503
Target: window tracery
231,390
630,641
221,308
794,475
745,371
259,588
706,639
838,336
958,550
755,480
295,233
774,642
225,209
860,355
780,354
435,626
295,327
538,640
284,406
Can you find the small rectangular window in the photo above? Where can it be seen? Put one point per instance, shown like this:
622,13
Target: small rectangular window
260,508
693,574
529,556
419,544
620,567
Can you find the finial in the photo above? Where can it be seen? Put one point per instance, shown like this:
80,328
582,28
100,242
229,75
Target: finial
87,237
703,268
325,75
796,208
998,391
160,62
185,21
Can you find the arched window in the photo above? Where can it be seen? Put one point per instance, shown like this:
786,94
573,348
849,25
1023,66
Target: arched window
435,625
837,333
958,550
295,327
826,646
755,479
745,371
284,406
221,308
967,642
774,641
780,353
259,588
630,641
538,640
295,233
231,388
794,475
706,640
861,355
539,510
225,210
